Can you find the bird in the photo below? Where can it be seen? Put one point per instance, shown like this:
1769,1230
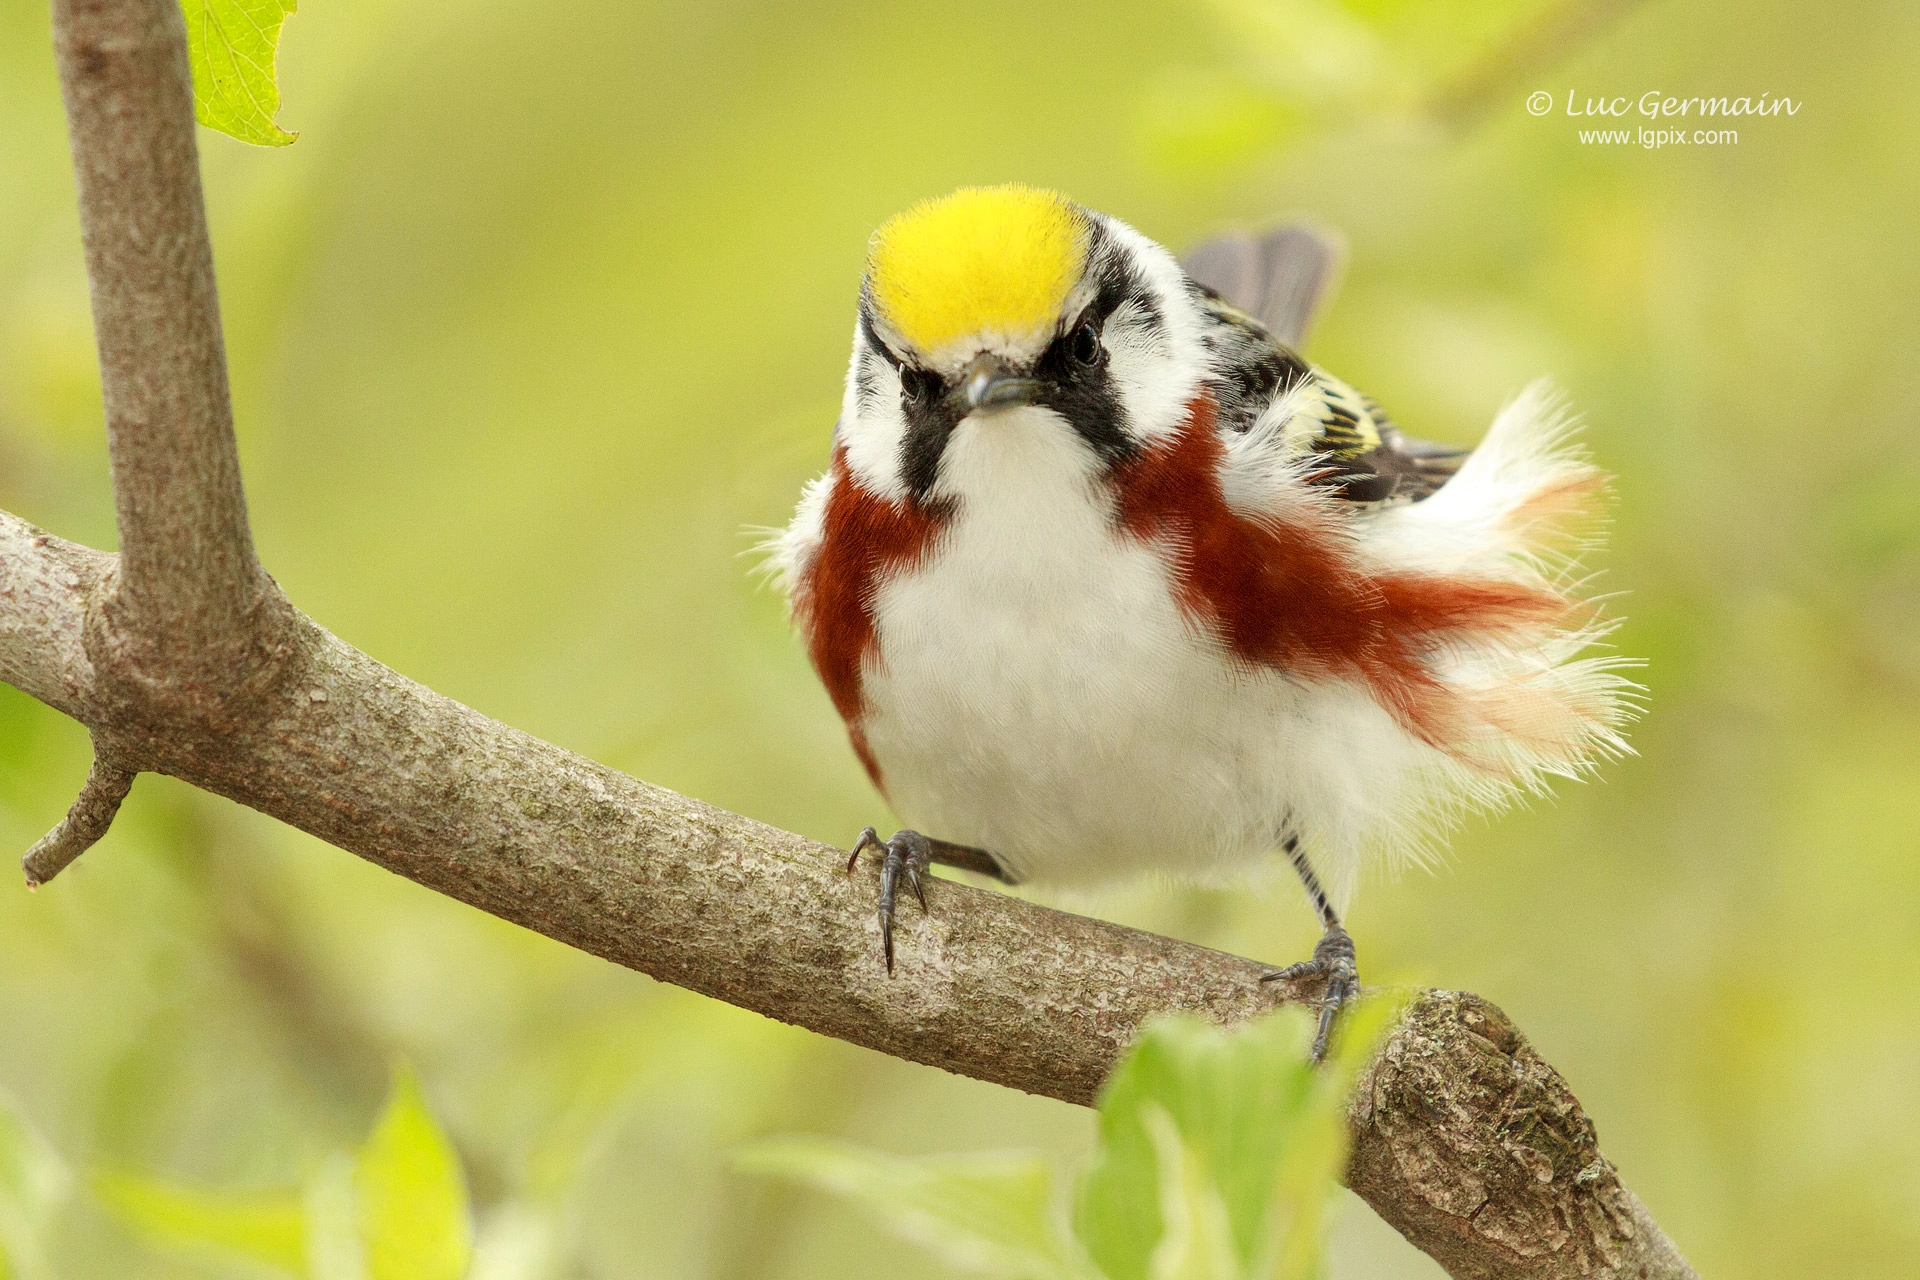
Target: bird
1107,581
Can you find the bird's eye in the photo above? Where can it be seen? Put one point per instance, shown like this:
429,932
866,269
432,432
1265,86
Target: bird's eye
913,384
1086,345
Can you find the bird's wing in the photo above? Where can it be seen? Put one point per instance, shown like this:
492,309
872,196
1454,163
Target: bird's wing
1251,368
1357,451
1278,277
1261,292
1262,387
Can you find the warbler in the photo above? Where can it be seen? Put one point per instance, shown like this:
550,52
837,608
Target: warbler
1106,579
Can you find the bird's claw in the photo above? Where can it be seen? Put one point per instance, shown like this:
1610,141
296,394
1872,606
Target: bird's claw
1334,960
908,854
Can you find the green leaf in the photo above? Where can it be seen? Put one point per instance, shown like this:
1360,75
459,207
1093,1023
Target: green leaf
411,1198
33,1182
268,1229
1220,1154
1197,123
333,1236
521,1241
1260,1125
1197,1243
1230,1100
994,1213
231,45
1311,49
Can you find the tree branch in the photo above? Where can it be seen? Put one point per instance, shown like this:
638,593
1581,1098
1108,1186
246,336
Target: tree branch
1464,1139
86,821
189,582
45,583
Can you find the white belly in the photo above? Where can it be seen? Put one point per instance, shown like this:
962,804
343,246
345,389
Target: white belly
1038,692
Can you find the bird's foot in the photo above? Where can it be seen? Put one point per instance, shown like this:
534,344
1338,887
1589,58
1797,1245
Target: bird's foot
907,854
1333,959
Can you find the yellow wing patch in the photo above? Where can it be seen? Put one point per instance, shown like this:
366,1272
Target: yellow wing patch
993,260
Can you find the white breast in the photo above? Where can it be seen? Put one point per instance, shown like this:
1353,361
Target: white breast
1038,692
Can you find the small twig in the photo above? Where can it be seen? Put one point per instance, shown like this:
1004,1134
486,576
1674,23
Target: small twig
1539,45
92,813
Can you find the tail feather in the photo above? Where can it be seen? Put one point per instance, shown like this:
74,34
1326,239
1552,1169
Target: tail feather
1514,708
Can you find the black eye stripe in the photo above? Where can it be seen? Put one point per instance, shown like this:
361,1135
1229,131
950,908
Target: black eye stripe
930,421
1121,284
872,336
1084,393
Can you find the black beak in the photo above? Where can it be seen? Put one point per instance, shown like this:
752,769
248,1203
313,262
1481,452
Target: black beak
989,384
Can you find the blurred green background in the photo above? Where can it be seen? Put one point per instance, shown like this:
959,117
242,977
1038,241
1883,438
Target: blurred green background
551,299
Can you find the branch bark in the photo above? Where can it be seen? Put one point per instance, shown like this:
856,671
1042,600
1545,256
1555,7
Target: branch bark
192,606
1463,1138
87,820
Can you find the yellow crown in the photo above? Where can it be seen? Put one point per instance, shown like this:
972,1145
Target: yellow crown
982,260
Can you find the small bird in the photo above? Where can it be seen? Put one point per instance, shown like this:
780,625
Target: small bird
1105,579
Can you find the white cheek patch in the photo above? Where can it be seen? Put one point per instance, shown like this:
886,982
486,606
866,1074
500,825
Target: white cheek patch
1158,362
872,427
1152,384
